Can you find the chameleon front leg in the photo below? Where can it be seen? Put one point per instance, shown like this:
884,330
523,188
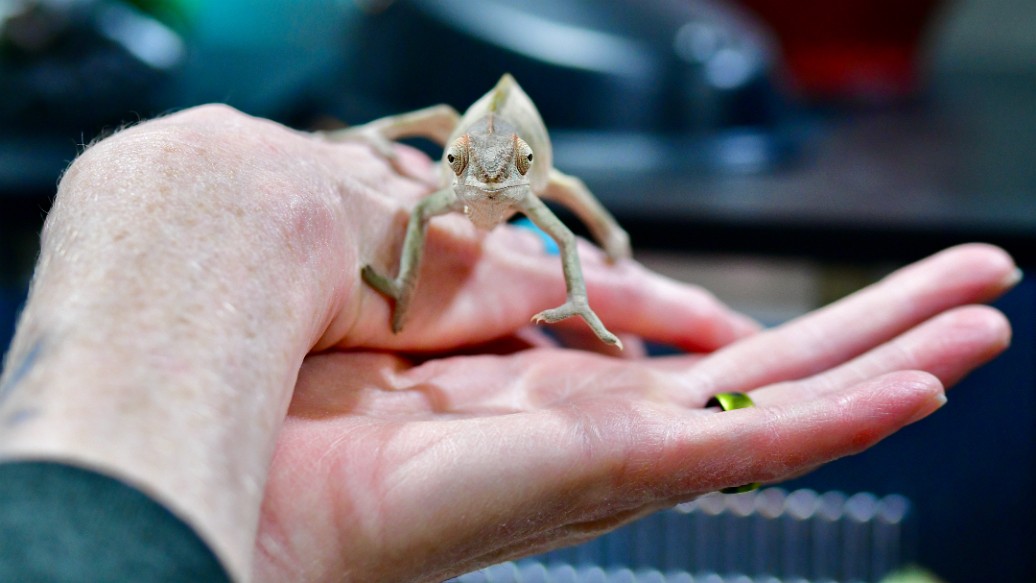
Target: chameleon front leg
435,123
401,289
573,193
576,303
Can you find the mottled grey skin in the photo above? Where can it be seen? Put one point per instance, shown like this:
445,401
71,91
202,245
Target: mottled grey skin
498,162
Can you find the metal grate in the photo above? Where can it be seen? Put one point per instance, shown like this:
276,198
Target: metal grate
767,536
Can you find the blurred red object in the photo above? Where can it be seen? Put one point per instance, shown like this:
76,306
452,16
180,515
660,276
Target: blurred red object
849,49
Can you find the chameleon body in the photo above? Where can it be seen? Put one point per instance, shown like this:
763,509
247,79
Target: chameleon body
497,161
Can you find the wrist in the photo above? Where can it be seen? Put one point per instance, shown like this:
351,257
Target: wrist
175,297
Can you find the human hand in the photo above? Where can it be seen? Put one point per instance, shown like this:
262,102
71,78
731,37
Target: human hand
190,265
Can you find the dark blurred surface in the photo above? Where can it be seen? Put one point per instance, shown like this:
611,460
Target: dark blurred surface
893,183
689,119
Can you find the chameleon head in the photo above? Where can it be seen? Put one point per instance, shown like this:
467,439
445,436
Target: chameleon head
490,163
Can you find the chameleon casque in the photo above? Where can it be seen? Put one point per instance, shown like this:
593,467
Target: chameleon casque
497,161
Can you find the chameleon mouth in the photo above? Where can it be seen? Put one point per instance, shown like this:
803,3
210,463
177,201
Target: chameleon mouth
499,188
484,192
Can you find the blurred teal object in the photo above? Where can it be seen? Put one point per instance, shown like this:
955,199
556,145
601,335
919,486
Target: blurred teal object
264,56
94,61
80,62
77,69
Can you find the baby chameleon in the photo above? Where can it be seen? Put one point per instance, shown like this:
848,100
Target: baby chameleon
496,162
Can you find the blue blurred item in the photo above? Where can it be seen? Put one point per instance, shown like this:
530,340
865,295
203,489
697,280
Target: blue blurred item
550,246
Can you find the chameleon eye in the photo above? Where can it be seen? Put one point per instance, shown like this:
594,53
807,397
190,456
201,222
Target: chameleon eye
457,156
523,159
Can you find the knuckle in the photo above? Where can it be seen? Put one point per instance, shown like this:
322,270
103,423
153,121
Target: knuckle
210,113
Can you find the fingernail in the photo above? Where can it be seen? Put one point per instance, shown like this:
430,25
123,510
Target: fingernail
934,404
939,399
1014,278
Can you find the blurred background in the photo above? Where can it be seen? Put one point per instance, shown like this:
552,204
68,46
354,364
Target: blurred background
781,153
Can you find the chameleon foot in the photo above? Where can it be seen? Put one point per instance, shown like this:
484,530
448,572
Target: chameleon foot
570,309
617,246
390,288
386,285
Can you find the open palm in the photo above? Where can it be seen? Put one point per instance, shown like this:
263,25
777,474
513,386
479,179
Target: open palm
389,469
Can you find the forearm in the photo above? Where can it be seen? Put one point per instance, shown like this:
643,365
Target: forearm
159,343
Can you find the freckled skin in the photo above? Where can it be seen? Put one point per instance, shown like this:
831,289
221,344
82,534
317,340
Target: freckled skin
497,162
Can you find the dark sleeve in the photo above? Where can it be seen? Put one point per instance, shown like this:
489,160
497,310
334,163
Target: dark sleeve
62,523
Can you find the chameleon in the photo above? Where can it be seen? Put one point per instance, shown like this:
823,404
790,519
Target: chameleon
496,161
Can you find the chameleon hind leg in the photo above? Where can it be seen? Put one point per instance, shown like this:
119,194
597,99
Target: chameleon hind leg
573,193
576,303
402,287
